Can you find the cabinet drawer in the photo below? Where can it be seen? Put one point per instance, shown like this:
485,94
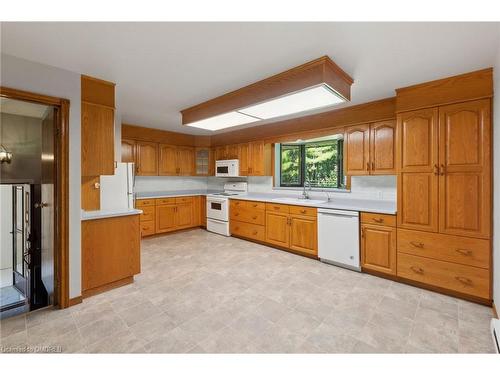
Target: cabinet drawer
463,250
184,199
463,279
253,205
148,213
383,219
299,210
248,216
165,201
144,202
236,203
283,208
147,228
255,232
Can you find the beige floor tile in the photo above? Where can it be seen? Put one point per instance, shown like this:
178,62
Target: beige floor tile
139,313
153,327
430,338
12,325
121,342
101,328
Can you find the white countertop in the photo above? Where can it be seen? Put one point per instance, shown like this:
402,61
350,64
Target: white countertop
351,204
340,203
173,193
103,214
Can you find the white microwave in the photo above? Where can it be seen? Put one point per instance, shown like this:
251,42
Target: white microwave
227,168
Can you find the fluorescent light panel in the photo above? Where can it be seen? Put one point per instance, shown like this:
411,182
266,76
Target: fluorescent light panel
300,101
311,98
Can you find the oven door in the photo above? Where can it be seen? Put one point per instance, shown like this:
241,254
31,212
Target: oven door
217,209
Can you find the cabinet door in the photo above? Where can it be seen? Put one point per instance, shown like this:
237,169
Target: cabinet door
243,156
165,218
232,152
277,229
128,151
98,140
465,181
184,215
185,161
378,248
357,150
220,153
202,161
167,160
147,158
418,163
304,234
257,159
383,148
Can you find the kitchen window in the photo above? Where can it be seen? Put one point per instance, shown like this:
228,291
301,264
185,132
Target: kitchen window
318,163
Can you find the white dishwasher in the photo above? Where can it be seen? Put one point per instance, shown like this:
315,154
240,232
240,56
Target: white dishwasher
338,237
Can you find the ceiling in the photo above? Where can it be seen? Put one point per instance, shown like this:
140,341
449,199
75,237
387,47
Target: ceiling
162,68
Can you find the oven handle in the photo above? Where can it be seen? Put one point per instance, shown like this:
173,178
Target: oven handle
210,200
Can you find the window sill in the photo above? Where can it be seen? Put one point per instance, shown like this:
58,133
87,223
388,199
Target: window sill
332,190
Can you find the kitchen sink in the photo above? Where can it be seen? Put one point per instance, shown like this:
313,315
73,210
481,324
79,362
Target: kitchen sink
299,200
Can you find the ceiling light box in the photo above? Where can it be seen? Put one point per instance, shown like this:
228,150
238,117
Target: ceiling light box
317,84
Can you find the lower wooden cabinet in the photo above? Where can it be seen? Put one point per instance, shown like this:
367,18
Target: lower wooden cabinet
162,215
247,230
277,229
110,252
378,248
303,234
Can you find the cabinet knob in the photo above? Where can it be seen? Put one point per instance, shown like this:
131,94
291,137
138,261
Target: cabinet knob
466,252
464,280
417,244
378,219
417,269
254,232
302,211
254,217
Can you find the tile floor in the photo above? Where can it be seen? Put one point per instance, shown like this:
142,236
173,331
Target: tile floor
202,293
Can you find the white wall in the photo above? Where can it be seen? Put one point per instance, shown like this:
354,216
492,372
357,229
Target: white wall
496,184
43,79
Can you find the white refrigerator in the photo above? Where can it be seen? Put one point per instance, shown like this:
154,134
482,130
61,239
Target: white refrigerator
117,191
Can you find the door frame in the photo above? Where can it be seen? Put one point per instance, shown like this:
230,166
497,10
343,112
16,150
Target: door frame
61,198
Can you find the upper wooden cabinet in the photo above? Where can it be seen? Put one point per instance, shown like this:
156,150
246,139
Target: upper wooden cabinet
255,157
418,180
220,153
371,149
465,169
167,160
357,150
146,158
204,164
97,127
243,156
128,151
445,164
98,138
185,160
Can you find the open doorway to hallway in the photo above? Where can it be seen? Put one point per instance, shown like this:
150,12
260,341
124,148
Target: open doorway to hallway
27,204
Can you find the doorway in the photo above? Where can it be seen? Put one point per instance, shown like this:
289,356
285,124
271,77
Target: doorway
33,201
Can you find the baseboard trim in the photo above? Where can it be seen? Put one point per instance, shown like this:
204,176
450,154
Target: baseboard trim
104,288
75,301
495,313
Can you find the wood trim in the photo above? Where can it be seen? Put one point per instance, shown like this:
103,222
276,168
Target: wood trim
495,312
321,70
90,195
312,126
97,91
162,136
75,301
61,216
104,288
460,88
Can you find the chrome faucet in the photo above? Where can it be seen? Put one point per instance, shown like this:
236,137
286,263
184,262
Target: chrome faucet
305,194
328,198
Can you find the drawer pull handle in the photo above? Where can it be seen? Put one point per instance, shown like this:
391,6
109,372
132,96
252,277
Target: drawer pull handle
464,280
254,217
378,219
417,269
237,214
466,252
417,244
254,205
254,232
302,211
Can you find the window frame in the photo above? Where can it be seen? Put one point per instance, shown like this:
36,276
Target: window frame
302,148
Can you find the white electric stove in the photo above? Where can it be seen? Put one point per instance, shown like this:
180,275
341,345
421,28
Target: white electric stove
218,207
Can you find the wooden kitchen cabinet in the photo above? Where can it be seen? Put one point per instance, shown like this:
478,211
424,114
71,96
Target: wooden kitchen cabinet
378,248
128,151
98,134
357,150
418,180
166,220
259,159
370,149
146,158
185,161
465,169
303,234
220,153
232,152
110,253
277,229
243,157
167,161
204,164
